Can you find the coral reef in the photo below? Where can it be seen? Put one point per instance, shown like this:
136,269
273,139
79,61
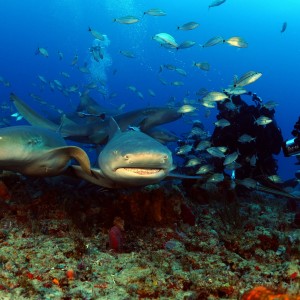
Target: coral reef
157,242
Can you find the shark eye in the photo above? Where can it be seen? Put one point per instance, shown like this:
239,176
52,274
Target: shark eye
164,158
126,157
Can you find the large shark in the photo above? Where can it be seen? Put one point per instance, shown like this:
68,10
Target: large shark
96,130
130,158
38,151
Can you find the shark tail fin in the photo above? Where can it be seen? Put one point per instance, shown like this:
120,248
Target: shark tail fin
80,156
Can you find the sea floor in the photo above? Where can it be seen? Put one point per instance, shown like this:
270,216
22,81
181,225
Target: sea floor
180,241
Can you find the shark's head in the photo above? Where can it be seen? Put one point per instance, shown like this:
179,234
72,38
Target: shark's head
133,158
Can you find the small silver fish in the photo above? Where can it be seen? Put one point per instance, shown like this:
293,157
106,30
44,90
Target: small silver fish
205,169
247,78
96,34
127,20
186,44
283,28
215,151
214,41
184,150
193,162
156,12
42,51
270,105
222,123
202,65
188,26
248,183
263,121
203,145
230,158
215,178
128,54
246,138
216,3
275,178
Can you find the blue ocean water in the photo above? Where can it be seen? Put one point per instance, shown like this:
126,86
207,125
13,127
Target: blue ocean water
62,26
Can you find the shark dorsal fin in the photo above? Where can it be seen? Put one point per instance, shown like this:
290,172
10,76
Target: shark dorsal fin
113,128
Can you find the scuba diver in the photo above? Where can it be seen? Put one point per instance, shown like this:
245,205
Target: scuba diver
255,154
292,147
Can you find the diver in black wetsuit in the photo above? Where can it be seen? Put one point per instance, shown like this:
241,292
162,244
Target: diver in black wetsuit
255,157
292,146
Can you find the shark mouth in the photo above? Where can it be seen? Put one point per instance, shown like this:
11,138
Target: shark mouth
141,171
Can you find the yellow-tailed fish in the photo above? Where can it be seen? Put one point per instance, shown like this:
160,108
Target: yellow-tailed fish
247,78
186,109
263,121
237,41
215,96
207,103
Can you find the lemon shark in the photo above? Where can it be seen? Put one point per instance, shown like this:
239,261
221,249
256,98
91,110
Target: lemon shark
130,159
96,131
38,151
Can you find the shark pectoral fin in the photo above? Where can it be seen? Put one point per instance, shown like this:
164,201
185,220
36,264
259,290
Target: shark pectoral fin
95,177
31,116
182,176
80,156
65,121
98,137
